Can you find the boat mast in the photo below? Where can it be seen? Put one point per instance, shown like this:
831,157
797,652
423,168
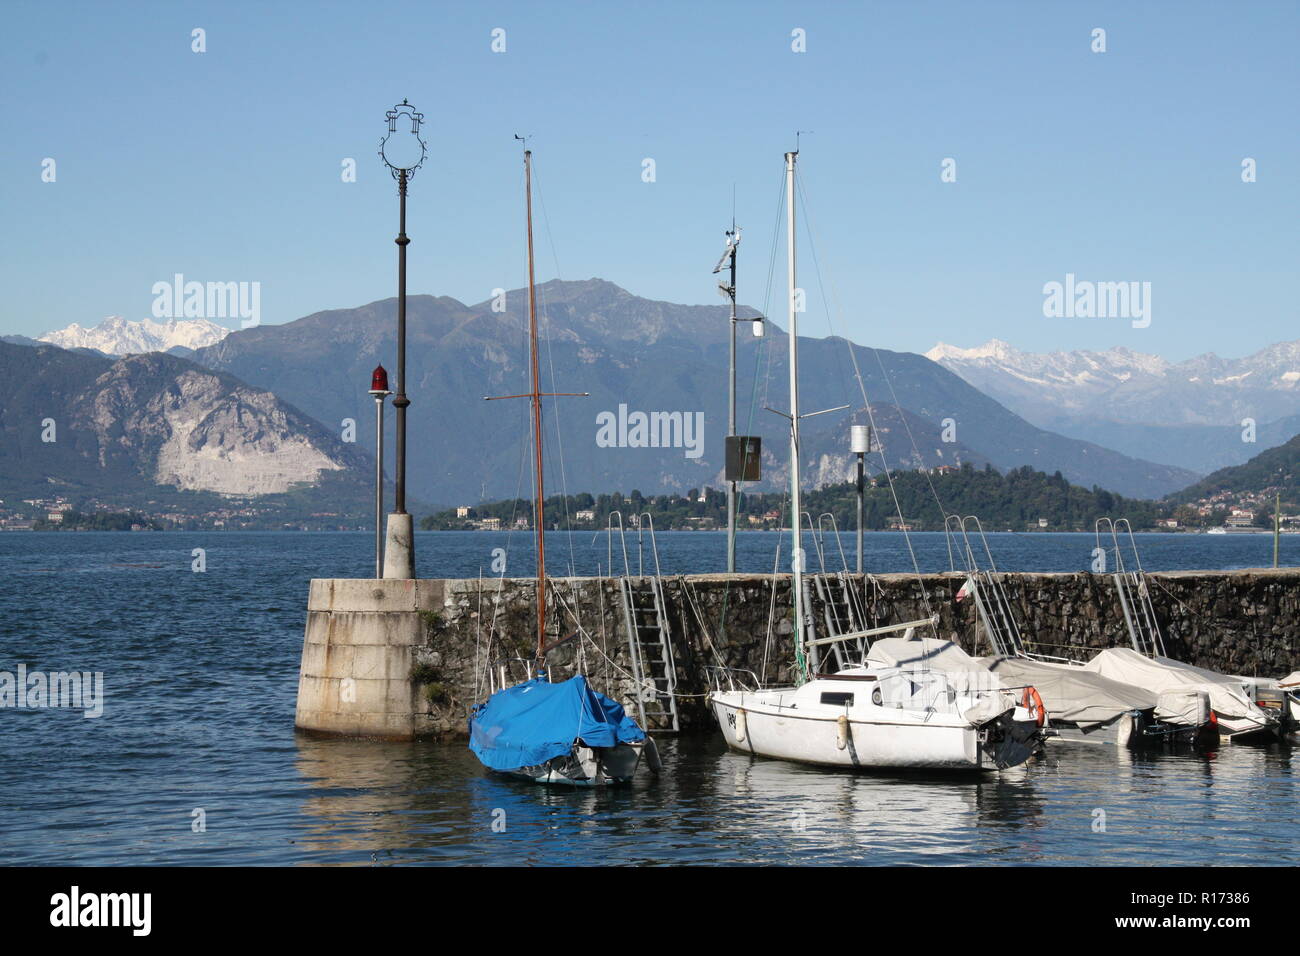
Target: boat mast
796,551
536,396
733,239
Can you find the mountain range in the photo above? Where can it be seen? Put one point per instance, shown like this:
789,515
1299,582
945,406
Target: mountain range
647,356
212,418
1273,470
77,423
1201,414
118,336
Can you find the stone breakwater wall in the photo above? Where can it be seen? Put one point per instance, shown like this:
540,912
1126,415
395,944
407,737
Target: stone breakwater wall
406,658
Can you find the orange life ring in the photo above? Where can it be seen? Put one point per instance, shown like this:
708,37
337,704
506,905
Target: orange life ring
1031,701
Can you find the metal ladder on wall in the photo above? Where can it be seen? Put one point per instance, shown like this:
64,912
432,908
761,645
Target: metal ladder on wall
843,610
649,642
1134,595
992,603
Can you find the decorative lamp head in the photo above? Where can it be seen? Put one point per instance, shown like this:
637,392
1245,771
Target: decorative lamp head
402,149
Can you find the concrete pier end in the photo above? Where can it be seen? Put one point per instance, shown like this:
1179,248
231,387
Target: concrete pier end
357,655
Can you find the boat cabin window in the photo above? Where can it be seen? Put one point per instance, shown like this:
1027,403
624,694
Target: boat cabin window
837,699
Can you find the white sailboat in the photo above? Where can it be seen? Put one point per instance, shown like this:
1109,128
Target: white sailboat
869,715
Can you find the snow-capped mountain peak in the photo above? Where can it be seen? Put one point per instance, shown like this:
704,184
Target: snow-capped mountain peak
118,336
992,349
1122,385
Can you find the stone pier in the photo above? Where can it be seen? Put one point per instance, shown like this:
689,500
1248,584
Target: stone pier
358,654
396,659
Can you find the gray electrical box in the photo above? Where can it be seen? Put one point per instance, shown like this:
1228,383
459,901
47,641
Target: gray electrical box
744,458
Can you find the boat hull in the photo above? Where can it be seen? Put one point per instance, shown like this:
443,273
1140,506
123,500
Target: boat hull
939,744
586,767
1140,731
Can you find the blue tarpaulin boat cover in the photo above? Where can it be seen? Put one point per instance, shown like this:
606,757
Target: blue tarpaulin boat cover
528,724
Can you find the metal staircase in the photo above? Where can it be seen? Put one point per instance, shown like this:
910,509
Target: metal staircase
649,643
842,612
842,604
1134,596
992,603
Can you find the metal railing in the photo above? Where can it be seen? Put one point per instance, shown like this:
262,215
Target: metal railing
609,545
508,671
1131,586
731,679
993,605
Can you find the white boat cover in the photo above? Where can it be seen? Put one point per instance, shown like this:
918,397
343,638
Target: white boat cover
1072,693
1069,692
961,672
1166,676
1188,707
932,652
1291,681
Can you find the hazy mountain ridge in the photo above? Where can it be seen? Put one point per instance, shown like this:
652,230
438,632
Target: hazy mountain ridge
1189,414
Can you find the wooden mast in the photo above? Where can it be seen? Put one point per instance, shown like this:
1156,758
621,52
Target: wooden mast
539,517
535,395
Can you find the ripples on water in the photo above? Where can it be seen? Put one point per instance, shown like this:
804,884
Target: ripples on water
201,672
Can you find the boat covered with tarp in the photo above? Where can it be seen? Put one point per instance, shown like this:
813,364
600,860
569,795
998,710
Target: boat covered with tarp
1234,711
551,732
1080,704
556,733
1085,705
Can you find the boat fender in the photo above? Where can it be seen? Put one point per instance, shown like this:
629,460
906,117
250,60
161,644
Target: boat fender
652,756
1124,732
842,731
741,726
1032,702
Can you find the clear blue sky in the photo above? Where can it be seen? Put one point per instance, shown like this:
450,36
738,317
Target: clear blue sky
225,166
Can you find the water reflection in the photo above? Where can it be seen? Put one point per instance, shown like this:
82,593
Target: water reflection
426,803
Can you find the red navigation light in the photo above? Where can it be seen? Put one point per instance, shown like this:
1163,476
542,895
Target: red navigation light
379,380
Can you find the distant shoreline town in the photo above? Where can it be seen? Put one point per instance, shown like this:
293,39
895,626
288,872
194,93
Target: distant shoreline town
1021,500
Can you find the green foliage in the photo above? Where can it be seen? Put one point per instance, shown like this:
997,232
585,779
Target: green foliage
99,521
424,674
1015,500
430,679
1275,469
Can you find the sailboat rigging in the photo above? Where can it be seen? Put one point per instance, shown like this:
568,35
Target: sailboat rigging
551,732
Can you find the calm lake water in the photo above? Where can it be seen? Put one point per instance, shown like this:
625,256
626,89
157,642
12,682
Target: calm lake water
201,670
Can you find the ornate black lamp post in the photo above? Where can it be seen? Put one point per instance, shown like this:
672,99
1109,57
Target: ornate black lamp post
403,152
